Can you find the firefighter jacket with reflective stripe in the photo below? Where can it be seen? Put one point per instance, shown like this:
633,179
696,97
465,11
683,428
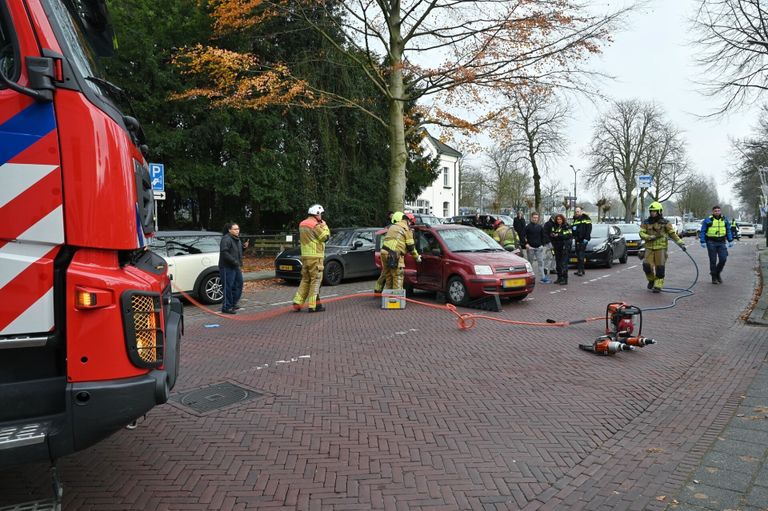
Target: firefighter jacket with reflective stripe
655,232
506,236
313,235
560,235
715,229
582,227
399,238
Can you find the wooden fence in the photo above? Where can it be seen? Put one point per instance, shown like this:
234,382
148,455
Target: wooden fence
269,245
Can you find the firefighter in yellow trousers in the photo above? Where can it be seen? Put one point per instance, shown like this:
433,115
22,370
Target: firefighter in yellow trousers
397,241
655,230
313,233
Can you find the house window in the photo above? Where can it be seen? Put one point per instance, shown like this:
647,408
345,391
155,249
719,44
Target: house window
446,207
446,178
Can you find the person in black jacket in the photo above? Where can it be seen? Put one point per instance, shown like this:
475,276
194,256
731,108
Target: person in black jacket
518,224
230,266
534,242
582,233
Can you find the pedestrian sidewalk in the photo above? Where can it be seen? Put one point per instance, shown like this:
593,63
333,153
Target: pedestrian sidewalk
258,275
734,472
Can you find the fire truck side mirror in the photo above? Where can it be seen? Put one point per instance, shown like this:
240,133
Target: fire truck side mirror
41,74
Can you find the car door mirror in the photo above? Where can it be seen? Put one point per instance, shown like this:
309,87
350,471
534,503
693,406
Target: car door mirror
357,244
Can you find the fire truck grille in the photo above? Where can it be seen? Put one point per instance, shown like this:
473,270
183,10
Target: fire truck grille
144,336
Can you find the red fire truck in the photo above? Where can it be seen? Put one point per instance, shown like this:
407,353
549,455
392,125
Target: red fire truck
89,331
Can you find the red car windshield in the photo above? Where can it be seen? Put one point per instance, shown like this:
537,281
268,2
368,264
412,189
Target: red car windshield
469,240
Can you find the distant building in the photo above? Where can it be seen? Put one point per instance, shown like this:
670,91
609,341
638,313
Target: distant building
441,198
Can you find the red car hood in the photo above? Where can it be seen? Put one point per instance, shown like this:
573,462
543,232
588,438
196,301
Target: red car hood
495,259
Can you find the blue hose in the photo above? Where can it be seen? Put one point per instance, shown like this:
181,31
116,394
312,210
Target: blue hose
684,293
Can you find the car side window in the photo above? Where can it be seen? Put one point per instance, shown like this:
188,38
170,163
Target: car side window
426,243
366,237
157,245
8,56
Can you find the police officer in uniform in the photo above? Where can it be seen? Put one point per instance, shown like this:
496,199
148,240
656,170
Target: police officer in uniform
582,233
398,241
654,231
715,231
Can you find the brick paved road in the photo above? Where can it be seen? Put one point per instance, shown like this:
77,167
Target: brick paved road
372,409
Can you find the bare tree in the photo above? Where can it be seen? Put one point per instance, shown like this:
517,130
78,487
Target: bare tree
697,196
533,132
619,147
733,36
507,182
666,162
471,186
453,57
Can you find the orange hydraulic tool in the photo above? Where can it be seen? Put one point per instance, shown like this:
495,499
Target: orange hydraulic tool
606,345
619,319
639,341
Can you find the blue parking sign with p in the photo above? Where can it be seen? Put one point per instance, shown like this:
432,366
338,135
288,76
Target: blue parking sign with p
157,176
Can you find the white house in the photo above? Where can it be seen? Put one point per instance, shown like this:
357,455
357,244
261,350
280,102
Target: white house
441,198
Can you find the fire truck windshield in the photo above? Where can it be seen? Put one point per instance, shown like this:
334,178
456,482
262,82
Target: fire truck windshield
76,33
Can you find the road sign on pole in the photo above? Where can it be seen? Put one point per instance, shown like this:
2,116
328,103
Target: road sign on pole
644,181
157,177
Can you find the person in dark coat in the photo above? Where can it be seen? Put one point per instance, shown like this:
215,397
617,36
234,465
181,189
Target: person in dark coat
231,266
534,243
518,224
582,233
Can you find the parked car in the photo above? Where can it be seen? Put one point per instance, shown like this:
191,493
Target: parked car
607,244
746,229
631,234
464,263
193,258
481,221
348,254
758,228
424,219
690,229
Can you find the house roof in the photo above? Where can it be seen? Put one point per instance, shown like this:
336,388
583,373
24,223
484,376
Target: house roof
443,148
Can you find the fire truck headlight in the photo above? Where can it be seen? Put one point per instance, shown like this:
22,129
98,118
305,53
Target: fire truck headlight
142,326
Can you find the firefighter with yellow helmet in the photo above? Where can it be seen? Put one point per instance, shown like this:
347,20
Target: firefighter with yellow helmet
397,242
654,231
313,233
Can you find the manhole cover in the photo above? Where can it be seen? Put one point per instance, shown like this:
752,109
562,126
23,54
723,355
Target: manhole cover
214,397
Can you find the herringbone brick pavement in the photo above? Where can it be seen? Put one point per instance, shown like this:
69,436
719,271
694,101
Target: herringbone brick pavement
372,409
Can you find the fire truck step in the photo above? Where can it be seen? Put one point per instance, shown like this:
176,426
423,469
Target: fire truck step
23,434
37,505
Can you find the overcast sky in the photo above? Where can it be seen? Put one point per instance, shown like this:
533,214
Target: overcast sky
653,60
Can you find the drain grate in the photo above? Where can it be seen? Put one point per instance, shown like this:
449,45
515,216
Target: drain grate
215,397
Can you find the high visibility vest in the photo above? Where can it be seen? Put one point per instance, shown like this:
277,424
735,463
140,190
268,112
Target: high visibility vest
313,236
505,235
716,228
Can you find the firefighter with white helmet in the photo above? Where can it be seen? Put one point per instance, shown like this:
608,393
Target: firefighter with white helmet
654,231
313,233
397,241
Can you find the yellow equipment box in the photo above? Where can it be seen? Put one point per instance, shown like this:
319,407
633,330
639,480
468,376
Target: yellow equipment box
393,299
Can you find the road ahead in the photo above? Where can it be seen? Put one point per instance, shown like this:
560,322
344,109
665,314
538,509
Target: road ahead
363,408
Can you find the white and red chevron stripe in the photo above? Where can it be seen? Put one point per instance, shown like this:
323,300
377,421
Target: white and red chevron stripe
32,233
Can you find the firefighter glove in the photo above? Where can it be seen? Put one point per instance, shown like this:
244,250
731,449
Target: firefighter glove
684,248
418,258
730,244
650,238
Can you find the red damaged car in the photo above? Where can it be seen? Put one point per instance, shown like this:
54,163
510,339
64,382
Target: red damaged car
464,263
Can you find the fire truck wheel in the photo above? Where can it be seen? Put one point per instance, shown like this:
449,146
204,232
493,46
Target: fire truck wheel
210,289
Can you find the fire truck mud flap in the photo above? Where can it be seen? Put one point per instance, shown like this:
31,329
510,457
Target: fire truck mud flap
174,328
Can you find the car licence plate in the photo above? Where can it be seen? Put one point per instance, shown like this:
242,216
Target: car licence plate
286,267
573,260
631,243
514,283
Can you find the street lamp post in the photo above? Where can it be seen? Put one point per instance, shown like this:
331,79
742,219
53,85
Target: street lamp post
575,170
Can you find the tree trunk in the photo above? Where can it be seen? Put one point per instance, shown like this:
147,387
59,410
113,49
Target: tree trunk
397,150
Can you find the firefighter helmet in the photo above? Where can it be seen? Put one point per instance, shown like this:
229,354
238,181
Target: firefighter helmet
497,223
411,218
655,206
397,216
316,209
